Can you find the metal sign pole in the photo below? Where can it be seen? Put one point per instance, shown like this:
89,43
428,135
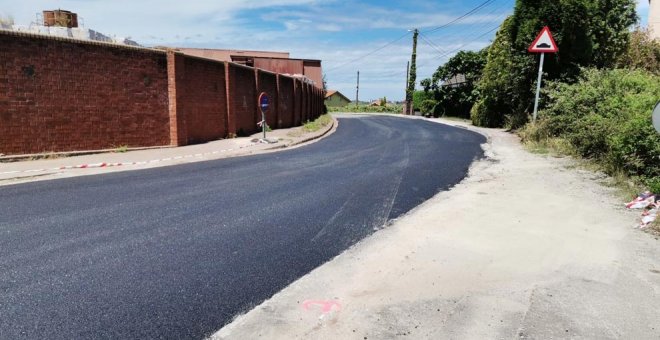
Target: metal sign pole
538,87
264,105
263,123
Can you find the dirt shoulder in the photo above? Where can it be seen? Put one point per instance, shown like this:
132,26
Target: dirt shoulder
525,247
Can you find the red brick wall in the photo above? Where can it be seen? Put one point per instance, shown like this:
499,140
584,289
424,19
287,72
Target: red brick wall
305,102
242,100
57,95
64,95
267,82
286,101
175,70
202,100
297,107
287,66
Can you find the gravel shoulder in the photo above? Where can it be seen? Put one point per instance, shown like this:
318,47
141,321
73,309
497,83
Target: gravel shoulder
525,247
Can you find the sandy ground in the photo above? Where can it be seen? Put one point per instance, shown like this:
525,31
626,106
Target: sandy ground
525,247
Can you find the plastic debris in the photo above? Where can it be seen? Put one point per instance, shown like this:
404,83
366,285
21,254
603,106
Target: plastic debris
642,201
649,216
650,203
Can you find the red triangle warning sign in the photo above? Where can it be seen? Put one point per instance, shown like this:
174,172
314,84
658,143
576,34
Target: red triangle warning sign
544,43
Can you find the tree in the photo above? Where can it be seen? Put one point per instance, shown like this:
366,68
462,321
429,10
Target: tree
412,74
455,100
642,53
588,32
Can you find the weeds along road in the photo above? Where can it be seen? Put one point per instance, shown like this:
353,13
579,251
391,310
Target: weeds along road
176,252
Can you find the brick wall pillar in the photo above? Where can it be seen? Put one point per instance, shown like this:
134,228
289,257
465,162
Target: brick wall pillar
278,119
231,118
175,72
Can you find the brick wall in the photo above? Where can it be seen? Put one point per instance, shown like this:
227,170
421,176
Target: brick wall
60,94
286,102
202,99
243,100
267,82
297,105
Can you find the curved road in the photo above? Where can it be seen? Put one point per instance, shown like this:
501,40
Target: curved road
176,252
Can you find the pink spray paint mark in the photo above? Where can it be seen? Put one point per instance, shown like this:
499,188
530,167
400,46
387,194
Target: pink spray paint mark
326,305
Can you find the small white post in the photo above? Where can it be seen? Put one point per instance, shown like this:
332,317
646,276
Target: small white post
538,87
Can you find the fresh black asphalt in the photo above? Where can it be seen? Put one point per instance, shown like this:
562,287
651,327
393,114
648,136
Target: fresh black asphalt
176,252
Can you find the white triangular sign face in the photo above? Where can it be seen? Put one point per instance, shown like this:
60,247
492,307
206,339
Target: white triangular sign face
544,43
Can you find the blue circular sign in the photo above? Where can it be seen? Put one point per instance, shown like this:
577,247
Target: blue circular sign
264,102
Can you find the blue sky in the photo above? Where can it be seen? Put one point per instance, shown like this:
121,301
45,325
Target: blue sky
340,33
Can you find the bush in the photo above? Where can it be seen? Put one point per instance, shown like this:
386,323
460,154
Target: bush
419,97
606,116
643,53
427,106
368,109
589,33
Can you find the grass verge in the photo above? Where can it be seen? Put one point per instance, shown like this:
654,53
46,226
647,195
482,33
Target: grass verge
317,124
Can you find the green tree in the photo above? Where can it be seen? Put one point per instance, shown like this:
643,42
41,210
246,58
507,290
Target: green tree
412,73
642,53
456,100
588,32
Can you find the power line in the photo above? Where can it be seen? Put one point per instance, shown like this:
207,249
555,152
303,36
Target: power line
472,11
370,53
483,25
430,43
444,54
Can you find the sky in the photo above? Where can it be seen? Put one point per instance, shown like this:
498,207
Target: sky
370,36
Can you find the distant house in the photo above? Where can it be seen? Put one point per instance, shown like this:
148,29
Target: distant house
378,102
456,80
334,98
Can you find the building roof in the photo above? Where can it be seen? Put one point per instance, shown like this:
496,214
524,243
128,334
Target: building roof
331,93
455,80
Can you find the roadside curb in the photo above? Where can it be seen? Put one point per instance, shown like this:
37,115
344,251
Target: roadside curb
18,158
331,127
30,173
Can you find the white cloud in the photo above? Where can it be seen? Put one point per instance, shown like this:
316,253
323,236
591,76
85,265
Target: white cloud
329,27
332,32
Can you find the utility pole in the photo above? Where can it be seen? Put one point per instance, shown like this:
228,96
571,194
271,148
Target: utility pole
412,76
357,90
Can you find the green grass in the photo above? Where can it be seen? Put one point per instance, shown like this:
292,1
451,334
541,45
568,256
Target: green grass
317,124
121,149
368,109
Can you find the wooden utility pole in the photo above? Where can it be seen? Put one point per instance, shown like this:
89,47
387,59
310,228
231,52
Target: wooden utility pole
357,90
412,76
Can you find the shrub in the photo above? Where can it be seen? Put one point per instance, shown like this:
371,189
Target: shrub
606,116
643,53
590,33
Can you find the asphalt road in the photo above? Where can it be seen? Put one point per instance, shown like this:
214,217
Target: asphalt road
176,252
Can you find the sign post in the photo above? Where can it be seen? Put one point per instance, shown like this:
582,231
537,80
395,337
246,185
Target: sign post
656,117
544,43
264,104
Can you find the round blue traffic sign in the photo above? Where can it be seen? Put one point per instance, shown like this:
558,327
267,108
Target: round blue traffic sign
264,102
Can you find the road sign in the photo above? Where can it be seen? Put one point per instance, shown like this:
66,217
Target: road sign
544,43
264,102
656,117
264,105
